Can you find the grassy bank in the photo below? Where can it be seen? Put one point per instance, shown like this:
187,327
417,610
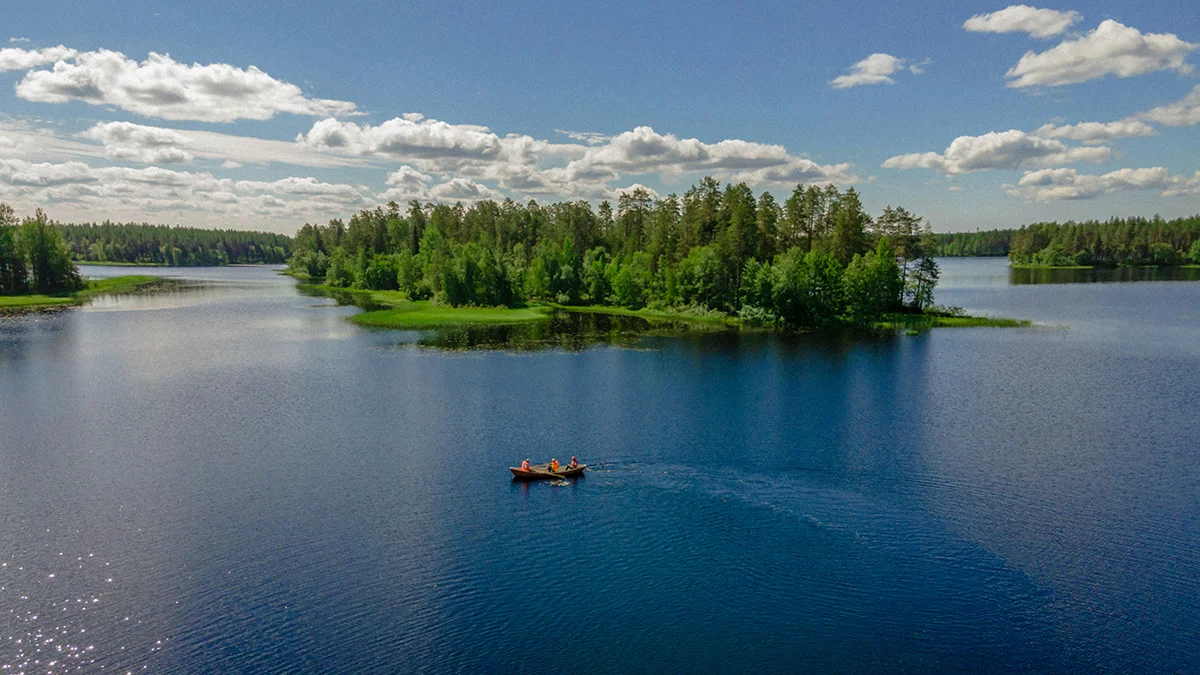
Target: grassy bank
652,315
392,309
922,321
423,314
113,286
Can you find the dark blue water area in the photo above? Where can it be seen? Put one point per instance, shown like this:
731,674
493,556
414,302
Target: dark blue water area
232,478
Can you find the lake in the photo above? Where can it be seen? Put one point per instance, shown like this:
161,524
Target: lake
232,478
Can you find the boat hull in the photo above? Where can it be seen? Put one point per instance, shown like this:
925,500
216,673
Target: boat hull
543,472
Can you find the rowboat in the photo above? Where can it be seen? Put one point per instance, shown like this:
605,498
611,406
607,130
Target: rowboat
543,472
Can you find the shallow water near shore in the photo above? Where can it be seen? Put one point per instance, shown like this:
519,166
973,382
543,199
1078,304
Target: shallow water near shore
231,477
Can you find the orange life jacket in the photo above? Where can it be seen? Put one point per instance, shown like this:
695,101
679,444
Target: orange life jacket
525,465
554,465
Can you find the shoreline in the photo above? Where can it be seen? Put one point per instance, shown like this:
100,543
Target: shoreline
393,310
124,285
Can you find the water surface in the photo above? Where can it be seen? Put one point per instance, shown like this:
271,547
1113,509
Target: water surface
233,478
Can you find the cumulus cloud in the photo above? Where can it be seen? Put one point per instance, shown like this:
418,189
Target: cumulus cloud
406,183
15,58
154,145
532,166
1096,132
410,136
1182,113
1010,149
461,189
137,143
74,187
1056,184
875,69
164,88
1111,49
1038,23
798,170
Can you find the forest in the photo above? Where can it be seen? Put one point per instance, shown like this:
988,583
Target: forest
977,243
816,259
1117,242
144,244
33,256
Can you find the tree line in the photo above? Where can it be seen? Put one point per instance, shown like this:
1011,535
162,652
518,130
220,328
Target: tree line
141,243
1117,242
33,256
815,259
978,243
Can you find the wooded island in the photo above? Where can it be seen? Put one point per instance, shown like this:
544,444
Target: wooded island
818,259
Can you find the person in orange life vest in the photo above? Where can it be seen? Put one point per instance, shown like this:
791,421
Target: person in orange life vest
525,465
574,462
553,464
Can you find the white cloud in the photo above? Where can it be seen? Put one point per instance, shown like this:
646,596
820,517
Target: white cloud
589,137
1056,184
1111,49
410,137
164,88
532,166
75,190
1010,149
461,189
149,144
408,176
18,39
799,170
1182,113
230,164
15,58
406,183
644,150
1038,23
22,140
1096,132
875,69
137,143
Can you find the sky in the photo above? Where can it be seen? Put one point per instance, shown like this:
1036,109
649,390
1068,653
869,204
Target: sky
254,115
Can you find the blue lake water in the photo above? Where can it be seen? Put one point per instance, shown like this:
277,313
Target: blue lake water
232,478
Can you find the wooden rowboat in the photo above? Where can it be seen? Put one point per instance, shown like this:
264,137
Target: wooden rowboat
543,472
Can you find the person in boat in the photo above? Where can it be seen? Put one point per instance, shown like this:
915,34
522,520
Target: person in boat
553,464
574,462
525,465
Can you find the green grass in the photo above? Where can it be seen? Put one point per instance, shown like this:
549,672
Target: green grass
35,301
392,309
653,314
919,321
423,314
112,286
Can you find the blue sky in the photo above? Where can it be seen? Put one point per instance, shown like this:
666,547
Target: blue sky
267,116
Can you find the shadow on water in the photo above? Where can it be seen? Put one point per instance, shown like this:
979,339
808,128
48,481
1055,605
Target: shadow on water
571,331
1049,275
